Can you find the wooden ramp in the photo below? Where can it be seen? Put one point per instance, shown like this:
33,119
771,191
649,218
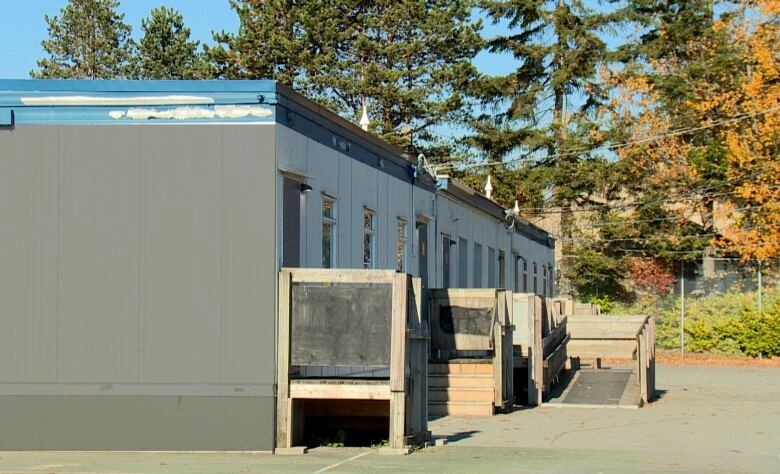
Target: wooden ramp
598,388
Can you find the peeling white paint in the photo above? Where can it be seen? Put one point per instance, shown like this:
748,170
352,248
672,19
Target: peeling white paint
179,113
140,100
186,113
240,111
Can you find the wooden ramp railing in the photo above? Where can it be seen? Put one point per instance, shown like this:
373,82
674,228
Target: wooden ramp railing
645,342
540,341
352,318
620,337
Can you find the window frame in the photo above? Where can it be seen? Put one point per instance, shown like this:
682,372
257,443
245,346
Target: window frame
492,272
401,244
525,274
331,222
477,265
536,278
371,233
463,263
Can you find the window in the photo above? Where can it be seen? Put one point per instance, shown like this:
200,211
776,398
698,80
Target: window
400,248
491,267
544,280
516,272
550,280
477,265
501,269
525,276
328,232
463,263
536,287
369,239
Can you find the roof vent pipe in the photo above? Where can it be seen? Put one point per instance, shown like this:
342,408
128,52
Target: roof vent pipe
364,121
489,189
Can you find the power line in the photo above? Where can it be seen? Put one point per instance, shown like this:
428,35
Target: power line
601,207
692,252
660,238
668,134
652,220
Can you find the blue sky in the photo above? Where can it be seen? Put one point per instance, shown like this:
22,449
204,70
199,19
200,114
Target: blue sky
22,28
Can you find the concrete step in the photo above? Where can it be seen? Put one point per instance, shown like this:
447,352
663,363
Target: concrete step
439,394
460,408
460,381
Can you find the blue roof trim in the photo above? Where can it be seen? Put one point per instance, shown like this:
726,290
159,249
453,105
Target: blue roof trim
6,117
26,101
72,85
101,116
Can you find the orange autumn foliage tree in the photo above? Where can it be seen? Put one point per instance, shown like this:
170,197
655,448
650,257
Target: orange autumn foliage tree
723,173
754,144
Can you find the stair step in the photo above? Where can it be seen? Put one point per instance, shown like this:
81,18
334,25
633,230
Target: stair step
460,381
437,394
485,369
460,408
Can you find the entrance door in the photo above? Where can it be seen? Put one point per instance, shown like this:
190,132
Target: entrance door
422,245
291,223
445,260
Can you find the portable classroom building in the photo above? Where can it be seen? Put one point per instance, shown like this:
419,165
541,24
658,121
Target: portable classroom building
142,225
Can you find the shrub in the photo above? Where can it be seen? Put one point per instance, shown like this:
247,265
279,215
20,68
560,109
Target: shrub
726,324
604,301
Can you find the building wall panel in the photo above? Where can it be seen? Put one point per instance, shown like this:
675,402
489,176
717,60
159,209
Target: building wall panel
181,253
248,257
137,287
28,254
98,254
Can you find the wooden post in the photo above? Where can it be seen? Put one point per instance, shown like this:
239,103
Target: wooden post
537,353
398,360
283,403
652,359
498,350
420,358
509,353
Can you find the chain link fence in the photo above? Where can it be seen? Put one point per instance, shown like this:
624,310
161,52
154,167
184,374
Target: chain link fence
743,285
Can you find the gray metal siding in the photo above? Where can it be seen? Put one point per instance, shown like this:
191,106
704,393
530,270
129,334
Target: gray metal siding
137,266
28,255
181,252
98,255
120,423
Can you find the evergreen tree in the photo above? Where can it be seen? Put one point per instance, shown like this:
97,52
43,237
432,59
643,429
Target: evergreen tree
409,61
166,51
88,41
559,46
268,44
545,111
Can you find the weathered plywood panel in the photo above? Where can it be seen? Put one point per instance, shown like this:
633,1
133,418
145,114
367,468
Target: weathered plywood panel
98,247
459,320
341,326
522,317
28,254
181,266
462,319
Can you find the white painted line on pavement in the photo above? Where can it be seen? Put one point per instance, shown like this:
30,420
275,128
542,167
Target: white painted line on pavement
327,468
